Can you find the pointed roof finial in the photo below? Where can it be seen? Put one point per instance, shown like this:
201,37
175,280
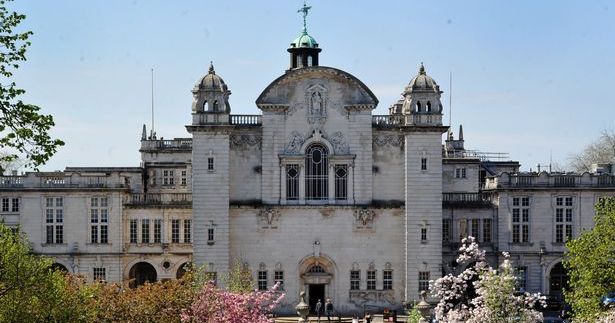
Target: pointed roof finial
211,68
422,69
304,10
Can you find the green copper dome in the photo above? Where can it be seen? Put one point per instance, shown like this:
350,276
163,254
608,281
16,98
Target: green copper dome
304,40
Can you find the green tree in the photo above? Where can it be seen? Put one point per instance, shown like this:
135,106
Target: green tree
239,279
590,262
23,130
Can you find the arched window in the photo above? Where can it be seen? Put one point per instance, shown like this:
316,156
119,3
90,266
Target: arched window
215,106
316,269
418,107
316,172
309,60
205,107
428,106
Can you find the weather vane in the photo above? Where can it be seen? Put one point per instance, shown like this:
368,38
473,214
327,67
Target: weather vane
304,10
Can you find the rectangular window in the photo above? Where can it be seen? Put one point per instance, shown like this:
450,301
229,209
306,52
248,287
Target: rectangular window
387,280
278,277
99,220
157,230
175,231
5,204
423,234
54,219
463,228
15,205
423,281
262,280
210,163
371,279
446,229
563,219
187,231
145,231
355,279
133,231
210,235
341,182
521,220
292,182
423,163
476,229
99,273
460,173
184,178
487,230
521,273
463,173
168,178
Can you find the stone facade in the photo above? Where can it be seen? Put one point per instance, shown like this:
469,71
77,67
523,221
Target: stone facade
315,192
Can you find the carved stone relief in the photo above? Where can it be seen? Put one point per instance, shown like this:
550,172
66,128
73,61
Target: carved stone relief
339,144
364,218
268,218
295,143
389,139
245,140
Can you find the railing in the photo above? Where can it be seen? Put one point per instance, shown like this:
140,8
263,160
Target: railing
58,182
544,180
483,156
388,120
11,181
159,199
466,199
246,119
174,144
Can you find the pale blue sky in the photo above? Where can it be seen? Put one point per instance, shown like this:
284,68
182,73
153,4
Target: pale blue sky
529,77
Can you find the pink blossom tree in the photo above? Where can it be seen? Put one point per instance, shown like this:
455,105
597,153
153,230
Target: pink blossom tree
214,305
483,294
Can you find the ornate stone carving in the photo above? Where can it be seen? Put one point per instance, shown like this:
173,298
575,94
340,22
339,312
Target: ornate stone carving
339,144
361,298
364,218
295,143
245,140
389,139
316,99
268,218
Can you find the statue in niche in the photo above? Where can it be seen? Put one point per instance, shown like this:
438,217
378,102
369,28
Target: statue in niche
316,100
317,104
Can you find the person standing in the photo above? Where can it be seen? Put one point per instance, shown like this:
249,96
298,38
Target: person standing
328,309
318,309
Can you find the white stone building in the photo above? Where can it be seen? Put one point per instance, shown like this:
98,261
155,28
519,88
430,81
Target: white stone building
314,191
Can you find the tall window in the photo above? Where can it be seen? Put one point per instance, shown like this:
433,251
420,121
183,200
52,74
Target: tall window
341,182
487,230
187,231
563,219
521,220
157,230
316,175
210,235
423,163
424,234
210,163
175,231
145,231
278,277
521,273
99,273
371,279
446,229
463,228
423,280
355,279
133,231
183,178
292,182
476,229
54,219
262,280
168,178
387,279
99,220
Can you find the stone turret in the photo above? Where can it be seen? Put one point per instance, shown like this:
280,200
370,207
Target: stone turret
210,104
422,101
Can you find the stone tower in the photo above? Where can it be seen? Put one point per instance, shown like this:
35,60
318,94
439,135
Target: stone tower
421,112
210,131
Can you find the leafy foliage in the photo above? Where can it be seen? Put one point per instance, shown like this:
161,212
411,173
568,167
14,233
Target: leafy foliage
239,279
590,262
599,151
23,131
482,294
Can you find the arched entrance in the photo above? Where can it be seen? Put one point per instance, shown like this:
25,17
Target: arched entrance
181,270
558,280
59,267
140,273
317,274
